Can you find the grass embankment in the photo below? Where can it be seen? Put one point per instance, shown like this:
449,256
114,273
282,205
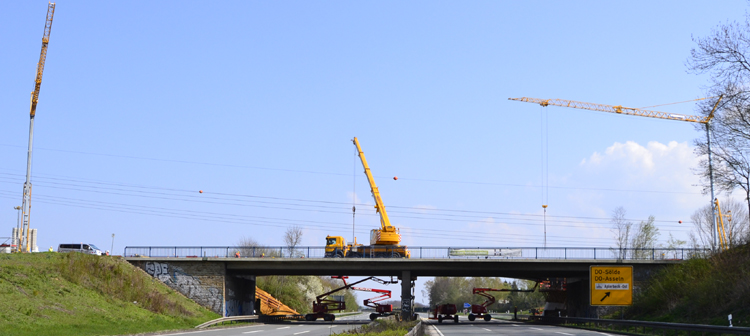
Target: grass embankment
382,327
702,291
78,294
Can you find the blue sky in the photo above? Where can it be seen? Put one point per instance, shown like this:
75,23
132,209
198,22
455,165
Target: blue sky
143,104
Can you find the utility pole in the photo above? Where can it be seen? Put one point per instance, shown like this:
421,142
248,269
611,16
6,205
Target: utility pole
34,100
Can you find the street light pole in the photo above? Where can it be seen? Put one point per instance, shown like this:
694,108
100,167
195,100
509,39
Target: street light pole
112,249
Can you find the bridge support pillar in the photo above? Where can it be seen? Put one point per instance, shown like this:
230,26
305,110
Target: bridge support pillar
407,299
239,294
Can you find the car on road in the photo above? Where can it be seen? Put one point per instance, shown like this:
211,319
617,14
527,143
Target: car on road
80,247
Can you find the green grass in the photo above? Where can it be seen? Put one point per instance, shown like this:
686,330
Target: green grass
702,291
78,294
382,327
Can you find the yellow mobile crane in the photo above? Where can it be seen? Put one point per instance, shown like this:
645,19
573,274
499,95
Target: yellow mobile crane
384,242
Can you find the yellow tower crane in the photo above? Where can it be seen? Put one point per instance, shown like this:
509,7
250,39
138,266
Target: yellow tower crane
619,109
25,242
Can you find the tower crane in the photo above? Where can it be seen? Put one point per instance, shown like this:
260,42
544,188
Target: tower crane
24,244
619,109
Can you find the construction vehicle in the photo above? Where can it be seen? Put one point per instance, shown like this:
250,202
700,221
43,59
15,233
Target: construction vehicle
445,312
381,310
384,242
323,305
480,310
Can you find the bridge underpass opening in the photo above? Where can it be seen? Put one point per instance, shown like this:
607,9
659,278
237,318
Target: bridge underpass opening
212,281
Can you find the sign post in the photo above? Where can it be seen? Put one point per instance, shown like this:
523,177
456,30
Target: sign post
611,285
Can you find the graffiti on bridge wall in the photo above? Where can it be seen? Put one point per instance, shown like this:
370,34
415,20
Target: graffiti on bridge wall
190,286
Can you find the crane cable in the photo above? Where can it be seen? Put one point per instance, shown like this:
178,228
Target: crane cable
544,120
354,193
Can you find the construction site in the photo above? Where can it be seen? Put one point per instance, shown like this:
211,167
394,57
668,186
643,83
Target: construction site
224,147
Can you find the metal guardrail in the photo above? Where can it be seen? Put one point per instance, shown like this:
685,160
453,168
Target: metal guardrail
316,252
227,319
643,327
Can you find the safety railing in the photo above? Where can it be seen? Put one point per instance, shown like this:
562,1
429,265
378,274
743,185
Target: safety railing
643,327
316,252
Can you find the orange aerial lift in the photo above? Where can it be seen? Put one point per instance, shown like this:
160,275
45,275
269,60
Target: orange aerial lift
480,310
323,306
381,310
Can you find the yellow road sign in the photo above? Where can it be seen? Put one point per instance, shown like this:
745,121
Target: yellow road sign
611,285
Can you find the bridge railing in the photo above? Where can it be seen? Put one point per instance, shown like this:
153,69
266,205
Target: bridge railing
315,252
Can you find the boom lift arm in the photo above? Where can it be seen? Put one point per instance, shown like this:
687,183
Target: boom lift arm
480,310
323,306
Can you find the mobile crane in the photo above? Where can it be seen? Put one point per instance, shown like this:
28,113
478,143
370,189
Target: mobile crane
384,242
480,310
323,306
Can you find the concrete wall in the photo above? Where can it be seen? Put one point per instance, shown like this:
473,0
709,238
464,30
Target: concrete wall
202,282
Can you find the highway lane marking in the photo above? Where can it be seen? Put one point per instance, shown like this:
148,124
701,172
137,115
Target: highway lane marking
438,330
302,332
605,334
189,332
283,328
486,329
537,329
250,332
564,333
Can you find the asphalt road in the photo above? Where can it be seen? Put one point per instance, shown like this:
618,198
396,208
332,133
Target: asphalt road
500,327
318,328
432,328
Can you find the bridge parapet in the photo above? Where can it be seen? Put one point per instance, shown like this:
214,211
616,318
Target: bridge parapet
430,252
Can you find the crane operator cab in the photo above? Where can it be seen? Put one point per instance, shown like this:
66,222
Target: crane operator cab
335,247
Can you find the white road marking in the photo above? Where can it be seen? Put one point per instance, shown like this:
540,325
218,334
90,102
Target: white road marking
605,334
438,330
250,332
486,329
302,332
283,328
537,329
564,333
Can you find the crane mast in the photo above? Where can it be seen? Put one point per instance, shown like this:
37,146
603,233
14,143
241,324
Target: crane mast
25,242
387,233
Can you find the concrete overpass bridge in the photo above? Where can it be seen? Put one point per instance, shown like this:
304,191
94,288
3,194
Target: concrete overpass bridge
223,278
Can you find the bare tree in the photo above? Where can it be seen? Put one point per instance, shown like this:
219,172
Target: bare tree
645,237
292,238
621,228
735,224
249,247
724,55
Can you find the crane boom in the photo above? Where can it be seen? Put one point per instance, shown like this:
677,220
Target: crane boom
42,57
385,223
616,109
644,113
24,243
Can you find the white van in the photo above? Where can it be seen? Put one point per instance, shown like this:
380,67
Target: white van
80,247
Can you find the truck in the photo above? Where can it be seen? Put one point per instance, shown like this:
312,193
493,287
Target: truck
384,242
445,312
